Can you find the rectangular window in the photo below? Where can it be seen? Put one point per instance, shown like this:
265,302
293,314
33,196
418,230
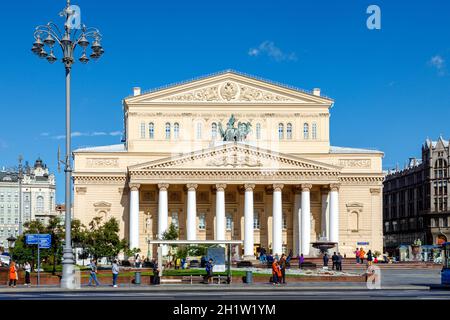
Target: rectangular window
256,222
142,130
229,222
175,219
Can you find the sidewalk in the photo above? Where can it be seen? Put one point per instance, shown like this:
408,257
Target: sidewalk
305,286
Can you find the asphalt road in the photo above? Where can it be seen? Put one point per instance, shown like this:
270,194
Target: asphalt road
415,285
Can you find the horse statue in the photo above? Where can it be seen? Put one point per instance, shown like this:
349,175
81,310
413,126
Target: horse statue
234,134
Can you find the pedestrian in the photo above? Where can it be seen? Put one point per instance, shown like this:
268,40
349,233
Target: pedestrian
93,273
155,273
209,270
27,268
325,260
301,259
369,257
357,255
339,261
362,253
276,272
13,274
115,272
283,264
137,261
334,259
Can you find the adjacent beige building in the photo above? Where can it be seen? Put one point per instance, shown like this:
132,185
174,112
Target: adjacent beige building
275,182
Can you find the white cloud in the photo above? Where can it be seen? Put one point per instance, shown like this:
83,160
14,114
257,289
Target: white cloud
438,63
99,134
268,48
45,134
115,133
76,134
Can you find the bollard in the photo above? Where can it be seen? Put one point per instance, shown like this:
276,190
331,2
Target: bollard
137,278
248,277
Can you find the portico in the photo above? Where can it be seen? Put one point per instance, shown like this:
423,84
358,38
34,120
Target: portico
226,189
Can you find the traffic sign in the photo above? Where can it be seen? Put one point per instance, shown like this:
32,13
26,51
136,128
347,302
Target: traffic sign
44,240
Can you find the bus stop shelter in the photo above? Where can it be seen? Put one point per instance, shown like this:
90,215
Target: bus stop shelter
227,243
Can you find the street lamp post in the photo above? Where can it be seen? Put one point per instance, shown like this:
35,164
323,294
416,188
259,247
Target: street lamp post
20,178
74,34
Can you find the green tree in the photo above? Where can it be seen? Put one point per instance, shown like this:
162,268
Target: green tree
171,233
103,240
56,230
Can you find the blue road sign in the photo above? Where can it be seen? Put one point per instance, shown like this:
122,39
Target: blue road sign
44,240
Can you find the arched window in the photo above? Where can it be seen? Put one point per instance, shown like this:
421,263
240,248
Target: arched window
199,130
306,131
40,204
168,130
214,131
289,131
151,130
314,131
258,131
353,221
176,130
142,130
280,131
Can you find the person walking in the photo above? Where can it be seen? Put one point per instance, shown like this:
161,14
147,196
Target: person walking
301,259
334,259
276,272
13,274
209,270
283,264
155,273
115,272
325,260
339,261
27,268
369,257
357,256
93,273
362,254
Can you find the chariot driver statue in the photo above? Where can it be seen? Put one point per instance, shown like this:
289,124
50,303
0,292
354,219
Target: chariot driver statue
235,134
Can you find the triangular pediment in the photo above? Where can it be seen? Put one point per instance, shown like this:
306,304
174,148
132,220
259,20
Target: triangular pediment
229,87
235,156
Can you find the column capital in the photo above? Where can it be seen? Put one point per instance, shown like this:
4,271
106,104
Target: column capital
335,186
134,186
220,186
191,186
306,187
249,186
163,186
278,186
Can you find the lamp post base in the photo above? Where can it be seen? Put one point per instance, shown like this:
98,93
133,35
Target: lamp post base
69,277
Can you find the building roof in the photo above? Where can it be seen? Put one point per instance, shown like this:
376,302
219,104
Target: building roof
7,176
230,71
430,143
334,149
109,148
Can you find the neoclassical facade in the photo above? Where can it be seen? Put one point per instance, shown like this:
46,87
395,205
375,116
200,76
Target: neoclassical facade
233,157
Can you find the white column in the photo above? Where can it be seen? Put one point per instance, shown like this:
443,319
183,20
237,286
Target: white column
191,223
297,222
134,216
334,213
220,211
324,219
163,209
277,214
306,219
248,222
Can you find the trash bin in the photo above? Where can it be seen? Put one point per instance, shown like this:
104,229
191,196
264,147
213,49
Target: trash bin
248,277
137,277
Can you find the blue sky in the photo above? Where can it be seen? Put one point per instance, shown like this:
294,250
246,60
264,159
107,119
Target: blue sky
391,86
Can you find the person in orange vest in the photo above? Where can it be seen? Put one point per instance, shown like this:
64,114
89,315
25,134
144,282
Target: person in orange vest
276,272
362,254
13,274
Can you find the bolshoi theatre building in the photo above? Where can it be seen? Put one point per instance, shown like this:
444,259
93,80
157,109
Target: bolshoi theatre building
233,157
